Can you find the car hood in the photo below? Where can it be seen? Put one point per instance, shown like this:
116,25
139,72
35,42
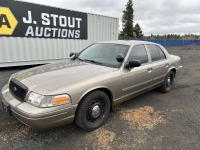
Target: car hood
56,75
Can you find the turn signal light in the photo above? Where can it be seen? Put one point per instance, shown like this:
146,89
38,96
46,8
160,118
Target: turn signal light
61,99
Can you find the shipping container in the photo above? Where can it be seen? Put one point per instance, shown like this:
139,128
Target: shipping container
17,49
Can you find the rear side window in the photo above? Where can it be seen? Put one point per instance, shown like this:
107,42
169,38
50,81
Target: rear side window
156,53
162,54
139,53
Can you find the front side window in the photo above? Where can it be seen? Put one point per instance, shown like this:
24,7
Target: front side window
104,53
139,53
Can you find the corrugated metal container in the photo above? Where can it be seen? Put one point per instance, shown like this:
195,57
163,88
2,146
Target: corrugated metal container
15,51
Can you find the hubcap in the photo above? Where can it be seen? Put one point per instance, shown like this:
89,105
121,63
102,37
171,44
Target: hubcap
168,81
96,111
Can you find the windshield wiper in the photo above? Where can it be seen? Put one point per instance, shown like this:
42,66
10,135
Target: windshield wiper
80,59
92,61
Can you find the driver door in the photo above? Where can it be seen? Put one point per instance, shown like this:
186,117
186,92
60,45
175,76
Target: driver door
137,79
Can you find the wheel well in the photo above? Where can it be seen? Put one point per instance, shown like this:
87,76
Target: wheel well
105,90
109,93
174,71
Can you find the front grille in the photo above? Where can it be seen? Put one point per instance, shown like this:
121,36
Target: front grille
17,89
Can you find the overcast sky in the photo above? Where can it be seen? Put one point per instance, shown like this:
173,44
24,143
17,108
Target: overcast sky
154,16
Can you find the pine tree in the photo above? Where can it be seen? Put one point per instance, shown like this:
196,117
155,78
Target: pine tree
127,21
138,31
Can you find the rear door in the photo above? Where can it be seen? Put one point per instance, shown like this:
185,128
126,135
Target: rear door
137,79
160,64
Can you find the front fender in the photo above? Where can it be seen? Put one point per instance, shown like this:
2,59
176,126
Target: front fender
93,89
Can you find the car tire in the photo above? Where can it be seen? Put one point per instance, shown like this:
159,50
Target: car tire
93,110
168,82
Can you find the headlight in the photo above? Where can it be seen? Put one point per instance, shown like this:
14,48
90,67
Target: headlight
47,101
35,98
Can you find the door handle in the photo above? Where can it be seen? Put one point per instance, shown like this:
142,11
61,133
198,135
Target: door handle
149,70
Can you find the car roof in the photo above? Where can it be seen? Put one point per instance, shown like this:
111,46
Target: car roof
128,42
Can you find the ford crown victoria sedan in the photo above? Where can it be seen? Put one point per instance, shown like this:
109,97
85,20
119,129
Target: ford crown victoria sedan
85,87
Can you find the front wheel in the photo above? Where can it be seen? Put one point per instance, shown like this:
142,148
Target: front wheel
168,82
93,110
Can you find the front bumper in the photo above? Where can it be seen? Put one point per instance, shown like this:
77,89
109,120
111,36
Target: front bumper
40,118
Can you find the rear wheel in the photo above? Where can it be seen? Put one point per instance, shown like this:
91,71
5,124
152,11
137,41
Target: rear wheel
93,110
168,82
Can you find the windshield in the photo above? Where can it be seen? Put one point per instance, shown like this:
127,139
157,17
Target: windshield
104,54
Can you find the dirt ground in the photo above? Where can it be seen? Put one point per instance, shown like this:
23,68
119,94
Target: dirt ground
151,121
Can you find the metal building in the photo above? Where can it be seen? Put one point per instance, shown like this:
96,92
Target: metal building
17,49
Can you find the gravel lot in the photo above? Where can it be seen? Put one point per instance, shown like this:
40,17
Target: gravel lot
151,121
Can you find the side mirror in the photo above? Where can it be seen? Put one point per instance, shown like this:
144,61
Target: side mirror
133,63
71,54
120,58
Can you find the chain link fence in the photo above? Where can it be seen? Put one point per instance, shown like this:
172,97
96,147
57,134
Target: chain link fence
167,42
176,42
